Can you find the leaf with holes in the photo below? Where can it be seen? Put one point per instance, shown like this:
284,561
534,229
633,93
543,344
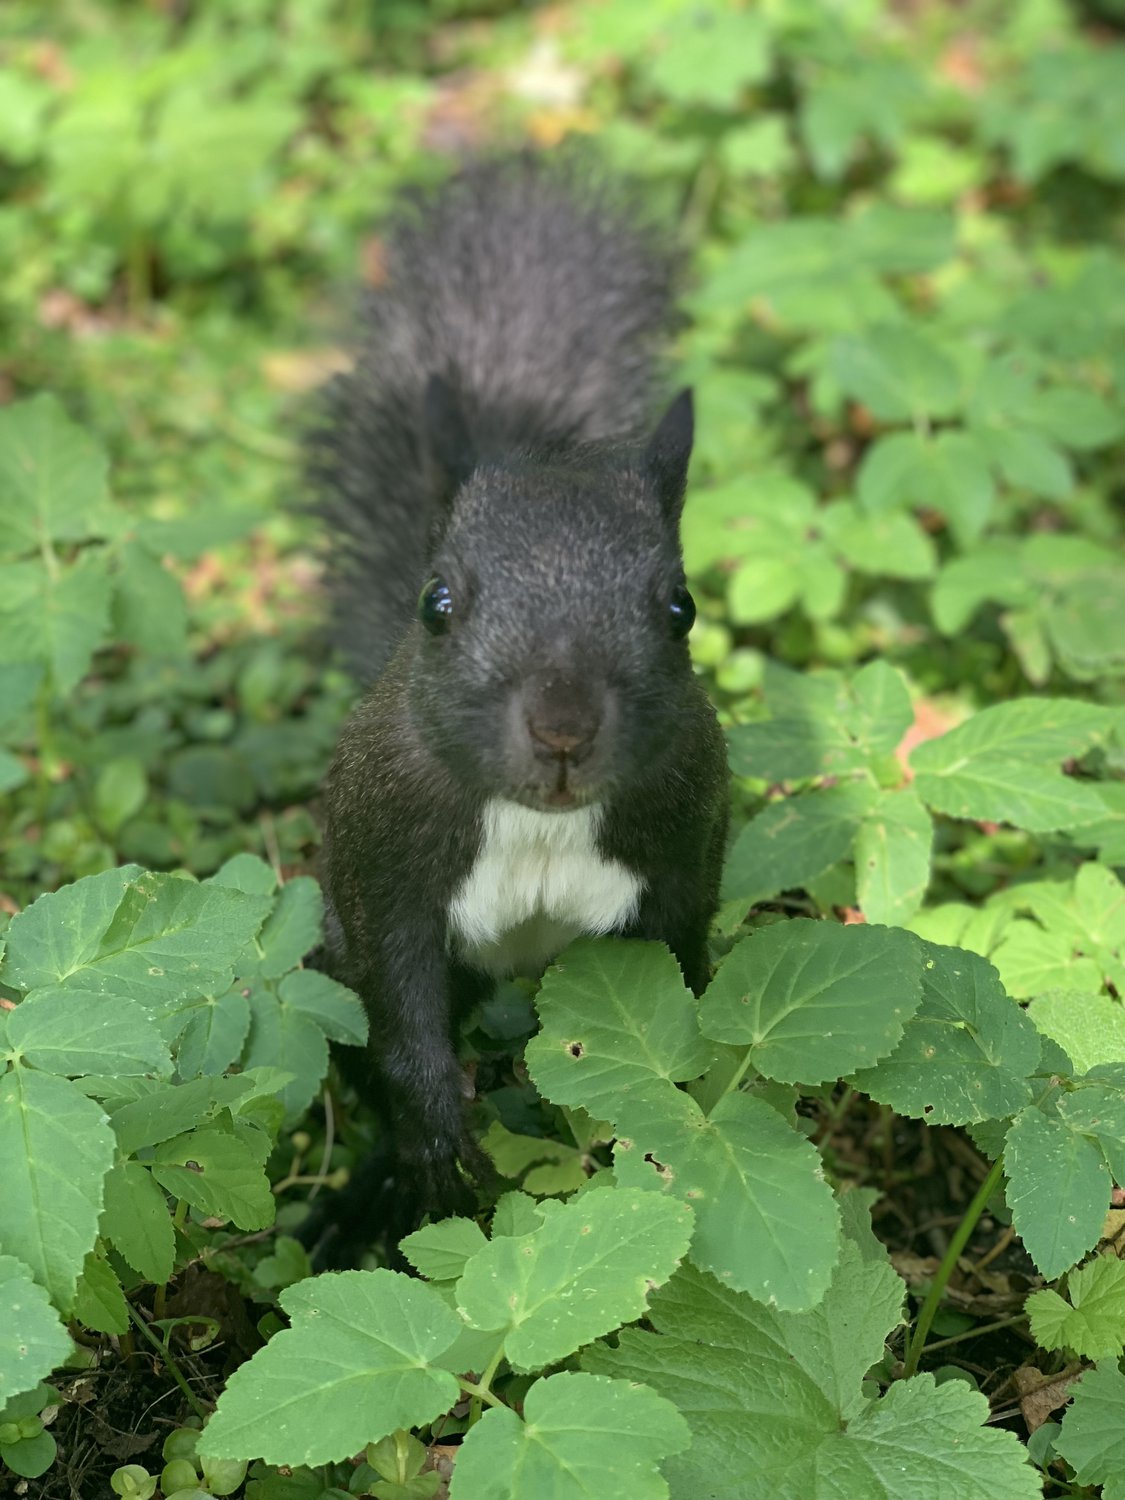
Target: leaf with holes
1049,1165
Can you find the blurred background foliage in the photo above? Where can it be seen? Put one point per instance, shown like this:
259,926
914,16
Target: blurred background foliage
907,335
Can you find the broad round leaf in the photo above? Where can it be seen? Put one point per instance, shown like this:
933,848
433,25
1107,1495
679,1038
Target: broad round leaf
581,1436
353,1368
967,1054
766,1221
588,1268
813,1000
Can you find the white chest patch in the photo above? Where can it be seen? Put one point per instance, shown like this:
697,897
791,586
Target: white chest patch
537,883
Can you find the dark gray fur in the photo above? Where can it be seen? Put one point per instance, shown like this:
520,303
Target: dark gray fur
519,476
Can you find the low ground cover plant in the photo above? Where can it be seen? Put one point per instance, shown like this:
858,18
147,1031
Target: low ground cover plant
851,1223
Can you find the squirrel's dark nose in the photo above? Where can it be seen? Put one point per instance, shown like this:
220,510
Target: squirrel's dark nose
562,721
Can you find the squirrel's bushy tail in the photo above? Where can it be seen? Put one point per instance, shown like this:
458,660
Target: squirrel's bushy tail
541,296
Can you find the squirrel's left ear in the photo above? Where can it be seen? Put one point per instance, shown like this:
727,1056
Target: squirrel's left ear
669,451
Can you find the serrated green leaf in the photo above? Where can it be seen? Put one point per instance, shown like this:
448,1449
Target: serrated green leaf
246,872
888,546
776,1405
215,1033
131,933
516,1213
581,1435
1004,765
137,1221
968,1052
1027,461
1091,1028
1092,1323
1049,1165
994,571
220,1173
709,56
99,1302
293,927
1096,1110
335,1009
898,373
32,1338
812,999
149,608
52,478
615,1016
583,1272
356,1365
19,683
56,1146
59,618
765,1220
1077,940
162,1111
822,725
892,857
283,1037
794,840
70,1032
947,473
440,1251
1092,1439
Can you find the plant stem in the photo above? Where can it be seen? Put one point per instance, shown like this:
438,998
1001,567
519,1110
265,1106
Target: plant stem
482,1392
976,1332
172,1367
945,1270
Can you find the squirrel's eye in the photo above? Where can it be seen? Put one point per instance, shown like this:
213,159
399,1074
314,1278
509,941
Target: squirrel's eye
681,611
435,606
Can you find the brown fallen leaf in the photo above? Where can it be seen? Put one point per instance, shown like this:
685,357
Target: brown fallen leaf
1040,1395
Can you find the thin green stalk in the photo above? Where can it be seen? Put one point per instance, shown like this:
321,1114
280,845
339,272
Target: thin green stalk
482,1392
978,1331
173,1368
945,1270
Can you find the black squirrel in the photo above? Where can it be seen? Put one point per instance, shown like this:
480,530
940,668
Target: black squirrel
534,759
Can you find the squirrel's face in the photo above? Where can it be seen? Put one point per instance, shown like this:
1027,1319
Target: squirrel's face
551,658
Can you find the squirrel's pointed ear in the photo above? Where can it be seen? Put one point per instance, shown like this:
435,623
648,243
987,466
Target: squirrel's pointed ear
669,451
447,433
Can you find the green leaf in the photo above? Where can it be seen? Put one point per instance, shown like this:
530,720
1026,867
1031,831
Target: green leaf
814,999
580,1274
59,618
898,373
32,1338
794,840
967,1053
165,1110
581,1435
440,1251
215,1034
562,1170
335,1009
1004,765
70,1032
888,546
892,857
56,1146
1092,1439
994,571
221,1174
149,606
31,1456
1027,461
710,55
130,933
356,1365
246,872
947,473
1077,940
1092,1323
293,928
99,1302
52,478
615,1015
1049,1165
284,1037
19,683
119,792
821,725
777,1408
1096,1110
766,1221
137,1222
1089,1028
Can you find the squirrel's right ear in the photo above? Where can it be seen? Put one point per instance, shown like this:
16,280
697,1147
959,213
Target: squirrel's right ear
669,451
447,433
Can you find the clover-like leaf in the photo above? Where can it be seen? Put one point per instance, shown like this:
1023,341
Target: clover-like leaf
355,1365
